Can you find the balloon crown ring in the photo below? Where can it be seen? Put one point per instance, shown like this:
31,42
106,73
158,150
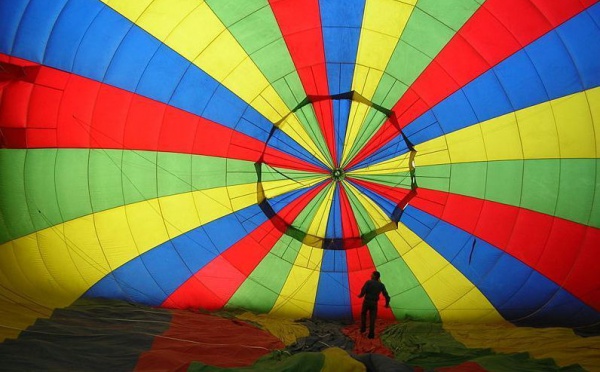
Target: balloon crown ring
327,207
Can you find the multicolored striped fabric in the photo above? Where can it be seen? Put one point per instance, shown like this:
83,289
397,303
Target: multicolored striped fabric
269,155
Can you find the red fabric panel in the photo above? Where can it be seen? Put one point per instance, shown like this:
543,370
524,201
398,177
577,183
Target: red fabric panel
305,42
497,30
360,266
394,194
89,114
110,117
76,112
349,225
196,337
14,105
144,120
566,252
212,286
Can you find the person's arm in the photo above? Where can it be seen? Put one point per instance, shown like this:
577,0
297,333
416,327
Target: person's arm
363,291
386,295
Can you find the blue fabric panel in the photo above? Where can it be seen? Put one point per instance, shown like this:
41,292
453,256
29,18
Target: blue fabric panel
385,204
254,124
124,69
554,66
11,13
424,128
486,96
281,141
92,40
334,222
135,283
98,45
341,113
162,75
396,147
521,81
528,297
68,33
333,291
156,274
38,20
581,37
542,71
455,112
341,22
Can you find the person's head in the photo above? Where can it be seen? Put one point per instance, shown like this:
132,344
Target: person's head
375,275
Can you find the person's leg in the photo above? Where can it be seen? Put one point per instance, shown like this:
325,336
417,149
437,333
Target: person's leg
372,317
363,318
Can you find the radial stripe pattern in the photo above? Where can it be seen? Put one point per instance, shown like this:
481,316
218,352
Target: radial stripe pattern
269,156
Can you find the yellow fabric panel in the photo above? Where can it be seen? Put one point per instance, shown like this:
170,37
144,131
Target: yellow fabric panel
376,214
561,128
356,118
593,97
502,138
195,32
466,144
575,128
68,258
393,165
538,132
298,294
432,152
17,316
449,290
276,188
337,359
559,344
285,329
179,214
293,128
383,23
318,226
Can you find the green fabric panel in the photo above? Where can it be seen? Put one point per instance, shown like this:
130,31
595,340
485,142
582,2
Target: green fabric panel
139,176
73,189
504,181
45,187
253,25
409,299
431,25
13,203
260,290
595,216
173,173
372,122
40,188
427,345
434,177
364,222
106,179
271,174
399,179
576,190
309,213
468,179
540,185
567,185
389,90
306,115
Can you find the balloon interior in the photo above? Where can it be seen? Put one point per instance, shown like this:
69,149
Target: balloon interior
208,184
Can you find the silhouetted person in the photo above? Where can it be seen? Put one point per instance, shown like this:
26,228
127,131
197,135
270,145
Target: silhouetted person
370,291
